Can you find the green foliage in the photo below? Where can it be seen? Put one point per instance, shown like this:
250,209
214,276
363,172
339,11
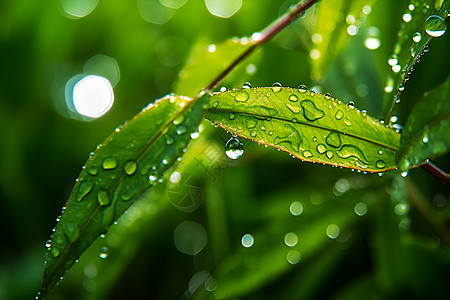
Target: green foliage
310,126
274,227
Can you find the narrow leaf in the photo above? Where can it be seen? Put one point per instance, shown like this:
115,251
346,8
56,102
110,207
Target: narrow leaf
310,126
420,23
426,133
129,162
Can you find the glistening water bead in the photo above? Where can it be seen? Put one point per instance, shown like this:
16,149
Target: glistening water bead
234,148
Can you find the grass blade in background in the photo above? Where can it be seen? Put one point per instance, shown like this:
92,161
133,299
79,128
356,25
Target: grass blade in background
426,133
310,126
129,162
422,21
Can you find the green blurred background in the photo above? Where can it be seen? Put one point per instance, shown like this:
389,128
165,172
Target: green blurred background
384,242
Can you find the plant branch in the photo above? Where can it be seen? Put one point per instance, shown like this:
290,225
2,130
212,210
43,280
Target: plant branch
435,171
259,38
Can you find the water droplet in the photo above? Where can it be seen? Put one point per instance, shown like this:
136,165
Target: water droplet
289,135
262,127
333,139
407,17
339,114
293,98
84,188
296,208
276,87
350,151
307,154
215,104
232,116
364,113
347,122
393,60
152,178
130,167
425,139
435,26
169,140
380,164
165,161
110,163
104,252
55,252
417,37
253,133
329,154
327,96
411,7
247,85
372,42
241,96
270,132
93,171
360,209
178,120
290,239
302,88
404,174
293,257
351,104
181,130
234,148
333,231
321,148
195,135
310,111
247,240
103,198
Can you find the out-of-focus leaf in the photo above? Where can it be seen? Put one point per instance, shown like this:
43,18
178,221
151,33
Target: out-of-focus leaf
414,36
129,162
310,126
206,62
426,133
336,21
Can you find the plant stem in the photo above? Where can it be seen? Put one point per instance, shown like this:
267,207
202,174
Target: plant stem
436,172
259,38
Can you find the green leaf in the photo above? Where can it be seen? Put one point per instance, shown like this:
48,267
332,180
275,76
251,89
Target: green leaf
120,171
206,62
412,43
426,133
310,126
330,33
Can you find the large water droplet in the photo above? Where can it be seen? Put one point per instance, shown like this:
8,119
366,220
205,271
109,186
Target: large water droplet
417,37
103,198
310,111
276,87
321,148
291,136
350,151
435,26
380,164
302,88
333,139
84,188
329,154
293,107
307,154
234,148
93,171
291,239
110,163
293,98
241,96
339,114
130,167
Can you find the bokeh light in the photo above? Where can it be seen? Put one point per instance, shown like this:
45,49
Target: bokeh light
223,9
247,240
91,96
190,237
78,8
104,66
154,12
333,231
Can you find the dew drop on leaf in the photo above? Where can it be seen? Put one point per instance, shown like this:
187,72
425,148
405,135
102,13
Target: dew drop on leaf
110,163
276,87
417,37
232,116
215,104
321,148
241,96
329,154
302,88
181,130
380,164
333,139
84,189
339,114
307,154
293,98
234,148
130,167
104,252
310,111
103,198
55,252
169,140
93,171
253,133
178,120
347,122
435,26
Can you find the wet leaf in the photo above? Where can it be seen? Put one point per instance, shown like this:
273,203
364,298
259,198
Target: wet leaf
426,133
412,42
120,171
310,126
331,31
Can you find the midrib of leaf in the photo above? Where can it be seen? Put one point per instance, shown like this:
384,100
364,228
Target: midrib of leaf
419,135
122,174
305,124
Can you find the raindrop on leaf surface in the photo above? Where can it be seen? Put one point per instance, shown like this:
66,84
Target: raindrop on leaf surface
435,26
110,163
130,167
234,148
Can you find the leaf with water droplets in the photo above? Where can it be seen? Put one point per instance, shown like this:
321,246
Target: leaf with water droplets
313,128
412,42
426,133
120,171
